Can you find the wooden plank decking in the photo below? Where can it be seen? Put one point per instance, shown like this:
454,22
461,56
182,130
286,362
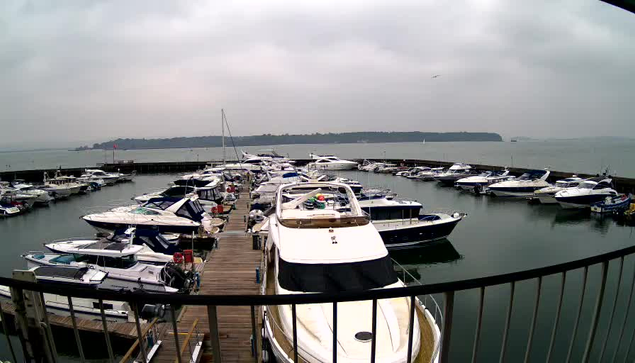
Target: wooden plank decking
230,270
122,330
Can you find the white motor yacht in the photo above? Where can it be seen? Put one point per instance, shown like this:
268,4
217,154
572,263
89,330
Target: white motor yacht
548,195
119,261
588,192
429,174
209,196
40,196
454,173
166,215
329,246
330,162
59,188
156,248
523,186
479,182
100,175
9,194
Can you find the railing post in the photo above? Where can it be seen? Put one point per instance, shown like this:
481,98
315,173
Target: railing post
447,326
142,348
335,332
507,322
533,320
175,330
617,295
294,316
596,314
628,310
22,323
253,333
577,319
413,301
479,322
555,323
78,339
6,333
106,334
213,332
373,342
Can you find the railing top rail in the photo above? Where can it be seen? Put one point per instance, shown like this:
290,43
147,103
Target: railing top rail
247,300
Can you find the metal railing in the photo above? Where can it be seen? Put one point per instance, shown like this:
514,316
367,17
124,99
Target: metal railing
447,289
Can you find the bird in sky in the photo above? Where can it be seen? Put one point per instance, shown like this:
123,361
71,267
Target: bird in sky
436,75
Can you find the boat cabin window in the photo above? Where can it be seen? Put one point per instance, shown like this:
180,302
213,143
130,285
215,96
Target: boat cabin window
602,185
178,191
532,175
338,277
587,185
114,262
106,306
380,214
192,210
160,204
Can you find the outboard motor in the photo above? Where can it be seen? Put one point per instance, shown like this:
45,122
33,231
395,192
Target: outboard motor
174,276
255,216
149,311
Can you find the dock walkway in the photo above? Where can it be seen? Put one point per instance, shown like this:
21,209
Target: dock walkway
230,270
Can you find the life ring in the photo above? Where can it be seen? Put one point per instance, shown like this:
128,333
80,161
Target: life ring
178,257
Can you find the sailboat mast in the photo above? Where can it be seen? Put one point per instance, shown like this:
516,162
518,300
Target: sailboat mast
222,121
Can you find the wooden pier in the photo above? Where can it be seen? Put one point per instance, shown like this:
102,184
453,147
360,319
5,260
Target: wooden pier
229,270
122,330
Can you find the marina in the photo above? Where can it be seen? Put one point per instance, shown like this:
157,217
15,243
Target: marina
235,265
401,182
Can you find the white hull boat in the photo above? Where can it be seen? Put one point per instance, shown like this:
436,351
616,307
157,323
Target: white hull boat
521,187
328,245
589,192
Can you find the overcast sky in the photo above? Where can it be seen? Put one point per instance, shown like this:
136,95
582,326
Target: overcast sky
84,71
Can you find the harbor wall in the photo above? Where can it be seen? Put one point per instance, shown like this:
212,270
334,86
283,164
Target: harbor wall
623,185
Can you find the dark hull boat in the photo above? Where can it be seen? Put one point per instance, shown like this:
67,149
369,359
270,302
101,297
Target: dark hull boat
427,228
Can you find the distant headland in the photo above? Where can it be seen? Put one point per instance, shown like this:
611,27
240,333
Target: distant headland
286,139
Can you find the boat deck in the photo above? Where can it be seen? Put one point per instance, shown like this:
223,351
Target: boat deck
229,270
284,339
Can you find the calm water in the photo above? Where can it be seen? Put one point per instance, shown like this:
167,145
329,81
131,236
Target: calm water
498,236
589,156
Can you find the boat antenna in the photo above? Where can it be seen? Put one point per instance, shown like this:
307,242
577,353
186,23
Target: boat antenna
222,122
231,138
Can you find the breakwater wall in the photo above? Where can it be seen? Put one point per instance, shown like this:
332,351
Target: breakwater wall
623,185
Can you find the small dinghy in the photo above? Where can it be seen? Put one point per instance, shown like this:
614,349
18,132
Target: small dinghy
612,204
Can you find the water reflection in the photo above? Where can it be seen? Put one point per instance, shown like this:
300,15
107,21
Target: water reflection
433,253
596,222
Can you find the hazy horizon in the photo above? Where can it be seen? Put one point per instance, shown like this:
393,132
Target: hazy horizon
77,73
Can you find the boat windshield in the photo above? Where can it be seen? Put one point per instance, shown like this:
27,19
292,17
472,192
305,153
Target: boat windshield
339,277
587,185
144,211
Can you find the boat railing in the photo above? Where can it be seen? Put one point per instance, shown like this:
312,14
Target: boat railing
436,312
604,287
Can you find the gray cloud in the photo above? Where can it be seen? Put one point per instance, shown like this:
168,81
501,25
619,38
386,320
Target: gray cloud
93,70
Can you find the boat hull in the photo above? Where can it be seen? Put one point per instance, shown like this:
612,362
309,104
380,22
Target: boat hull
108,227
401,234
522,192
580,202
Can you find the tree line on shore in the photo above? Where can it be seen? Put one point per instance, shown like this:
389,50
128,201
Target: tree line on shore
285,139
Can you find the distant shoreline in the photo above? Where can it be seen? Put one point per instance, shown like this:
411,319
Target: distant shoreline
316,138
